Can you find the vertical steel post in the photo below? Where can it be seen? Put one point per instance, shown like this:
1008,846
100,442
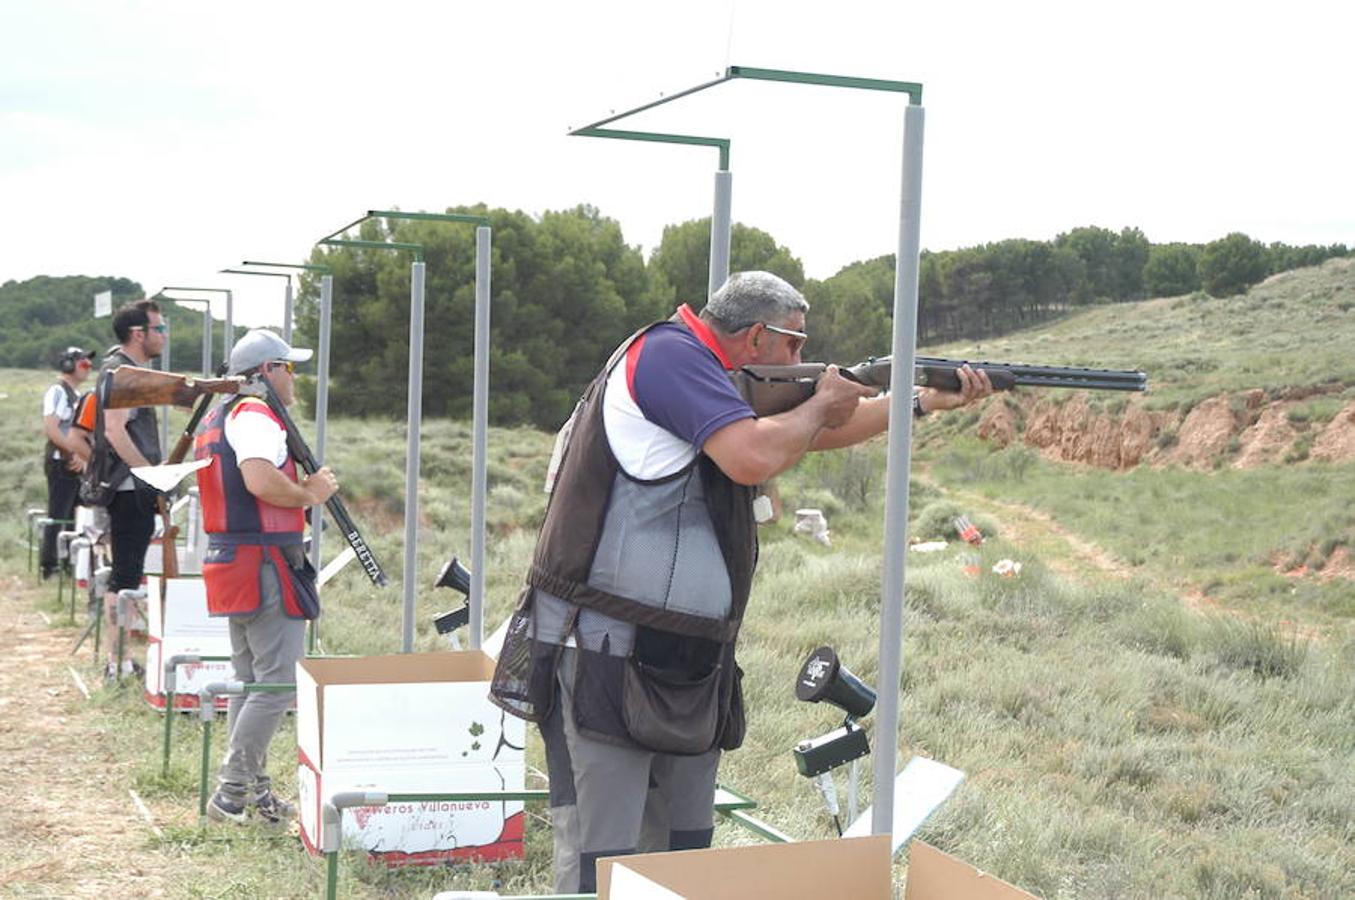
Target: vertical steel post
321,421
207,340
287,313
904,350
164,410
480,427
228,339
720,225
414,418
321,404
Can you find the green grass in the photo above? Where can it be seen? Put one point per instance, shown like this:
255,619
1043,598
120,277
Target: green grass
1226,532
1116,742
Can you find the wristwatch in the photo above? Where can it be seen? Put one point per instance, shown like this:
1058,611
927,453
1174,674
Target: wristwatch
918,411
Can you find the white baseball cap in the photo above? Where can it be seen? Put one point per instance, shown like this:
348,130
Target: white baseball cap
260,346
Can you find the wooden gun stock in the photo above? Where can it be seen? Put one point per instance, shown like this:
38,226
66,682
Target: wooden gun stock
132,386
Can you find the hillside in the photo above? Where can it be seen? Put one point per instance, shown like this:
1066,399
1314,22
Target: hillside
1261,378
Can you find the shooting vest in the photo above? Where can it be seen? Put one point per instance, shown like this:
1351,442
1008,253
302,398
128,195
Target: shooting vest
672,556
52,455
142,425
242,529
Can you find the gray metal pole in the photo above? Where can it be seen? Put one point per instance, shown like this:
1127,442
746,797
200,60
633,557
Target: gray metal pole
321,406
164,410
228,340
414,418
904,350
480,428
287,313
720,225
207,339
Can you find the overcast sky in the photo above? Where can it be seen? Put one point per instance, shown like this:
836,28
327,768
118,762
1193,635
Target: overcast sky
163,141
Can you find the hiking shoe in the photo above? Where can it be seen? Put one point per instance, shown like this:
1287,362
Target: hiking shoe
133,668
223,809
271,809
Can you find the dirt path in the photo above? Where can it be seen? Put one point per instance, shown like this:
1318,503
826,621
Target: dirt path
1029,526
72,828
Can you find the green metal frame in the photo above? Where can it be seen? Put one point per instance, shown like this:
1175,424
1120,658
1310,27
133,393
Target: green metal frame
253,688
728,803
308,267
170,694
597,129
333,240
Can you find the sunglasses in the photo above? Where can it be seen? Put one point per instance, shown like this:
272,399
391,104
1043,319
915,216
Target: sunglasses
797,338
289,366
162,328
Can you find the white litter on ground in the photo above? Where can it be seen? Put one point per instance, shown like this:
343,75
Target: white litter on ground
79,682
145,813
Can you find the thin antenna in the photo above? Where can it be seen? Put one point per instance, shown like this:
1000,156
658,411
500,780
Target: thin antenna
729,38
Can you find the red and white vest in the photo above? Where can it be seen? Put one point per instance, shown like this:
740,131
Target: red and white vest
243,530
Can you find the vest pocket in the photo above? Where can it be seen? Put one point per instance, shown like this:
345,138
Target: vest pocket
524,676
230,572
670,711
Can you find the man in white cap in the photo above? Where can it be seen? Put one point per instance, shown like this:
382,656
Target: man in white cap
255,570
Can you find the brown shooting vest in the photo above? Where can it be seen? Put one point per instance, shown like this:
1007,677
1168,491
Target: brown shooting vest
592,494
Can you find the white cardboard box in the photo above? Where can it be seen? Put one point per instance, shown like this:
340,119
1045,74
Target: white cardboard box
178,624
857,868
409,723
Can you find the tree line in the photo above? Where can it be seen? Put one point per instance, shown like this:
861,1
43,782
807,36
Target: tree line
566,288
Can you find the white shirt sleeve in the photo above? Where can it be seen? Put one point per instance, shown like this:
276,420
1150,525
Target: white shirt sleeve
54,404
252,434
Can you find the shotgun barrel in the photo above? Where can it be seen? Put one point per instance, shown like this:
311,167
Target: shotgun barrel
775,389
297,447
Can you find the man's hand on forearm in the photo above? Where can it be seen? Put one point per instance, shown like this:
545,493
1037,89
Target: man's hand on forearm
974,386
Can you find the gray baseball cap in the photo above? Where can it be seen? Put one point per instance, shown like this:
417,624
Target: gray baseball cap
260,346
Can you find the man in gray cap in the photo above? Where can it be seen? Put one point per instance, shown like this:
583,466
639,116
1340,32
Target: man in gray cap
253,507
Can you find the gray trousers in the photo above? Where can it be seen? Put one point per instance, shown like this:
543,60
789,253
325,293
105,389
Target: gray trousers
265,647
623,799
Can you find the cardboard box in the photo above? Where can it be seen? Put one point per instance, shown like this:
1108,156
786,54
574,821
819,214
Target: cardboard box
178,623
856,868
936,875
410,723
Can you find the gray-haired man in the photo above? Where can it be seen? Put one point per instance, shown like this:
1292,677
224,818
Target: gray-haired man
623,646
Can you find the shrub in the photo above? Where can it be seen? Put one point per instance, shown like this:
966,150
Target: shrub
1257,648
936,521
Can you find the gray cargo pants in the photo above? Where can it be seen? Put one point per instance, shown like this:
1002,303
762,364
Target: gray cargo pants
611,801
265,646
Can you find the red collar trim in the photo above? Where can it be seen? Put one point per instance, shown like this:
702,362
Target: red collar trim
704,334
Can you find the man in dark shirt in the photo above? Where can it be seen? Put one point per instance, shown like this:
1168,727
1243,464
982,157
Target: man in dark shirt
134,436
